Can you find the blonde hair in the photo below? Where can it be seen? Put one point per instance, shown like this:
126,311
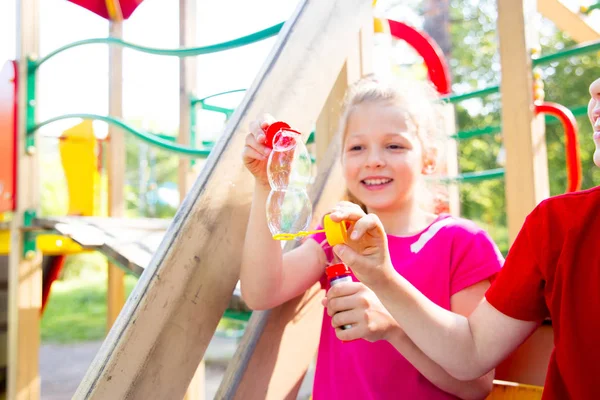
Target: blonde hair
419,101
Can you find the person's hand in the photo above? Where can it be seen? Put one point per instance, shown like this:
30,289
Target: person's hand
256,153
354,304
366,251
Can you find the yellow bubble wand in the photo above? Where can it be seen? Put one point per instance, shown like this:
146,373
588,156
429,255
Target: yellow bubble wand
336,232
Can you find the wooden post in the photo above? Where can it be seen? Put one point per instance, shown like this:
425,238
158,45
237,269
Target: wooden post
156,344
24,273
115,295
451,167
524,138
526,177
279,344
187,87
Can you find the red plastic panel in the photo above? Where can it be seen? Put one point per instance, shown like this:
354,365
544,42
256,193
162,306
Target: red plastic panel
428,49
100,7
8,136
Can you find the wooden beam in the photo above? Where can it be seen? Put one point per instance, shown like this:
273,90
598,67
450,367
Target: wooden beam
568,20
24,273
524,138
158,340
279,344
115,295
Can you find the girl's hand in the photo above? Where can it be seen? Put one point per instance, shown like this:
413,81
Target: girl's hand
366,251
352,303
256,154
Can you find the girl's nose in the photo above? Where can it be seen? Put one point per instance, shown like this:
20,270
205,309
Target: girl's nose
375,159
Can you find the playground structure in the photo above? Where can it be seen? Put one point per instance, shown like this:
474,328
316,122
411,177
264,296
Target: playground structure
188,267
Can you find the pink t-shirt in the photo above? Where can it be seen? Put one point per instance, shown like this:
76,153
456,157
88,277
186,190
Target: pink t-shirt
446,257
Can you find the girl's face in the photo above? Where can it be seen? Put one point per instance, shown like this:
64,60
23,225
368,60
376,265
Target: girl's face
382,156
594,115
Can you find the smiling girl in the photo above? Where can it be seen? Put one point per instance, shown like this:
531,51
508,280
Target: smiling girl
389,134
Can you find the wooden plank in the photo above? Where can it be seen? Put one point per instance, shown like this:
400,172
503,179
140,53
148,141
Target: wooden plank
503,390
160,337
25,275
129,243
524,137
115,294
568,20
279,344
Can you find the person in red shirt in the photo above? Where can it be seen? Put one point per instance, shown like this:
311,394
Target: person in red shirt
552,271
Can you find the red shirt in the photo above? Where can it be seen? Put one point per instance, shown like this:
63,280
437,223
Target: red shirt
553,270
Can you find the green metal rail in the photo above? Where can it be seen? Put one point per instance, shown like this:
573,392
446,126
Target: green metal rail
145,136
475,176
189,52
491,130
588,9
570,52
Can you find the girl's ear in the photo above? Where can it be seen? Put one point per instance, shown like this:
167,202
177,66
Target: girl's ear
429,161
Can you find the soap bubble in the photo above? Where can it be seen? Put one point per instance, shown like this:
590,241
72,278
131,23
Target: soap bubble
288,211
289,163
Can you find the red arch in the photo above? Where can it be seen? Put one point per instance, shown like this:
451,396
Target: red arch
428,49
568,121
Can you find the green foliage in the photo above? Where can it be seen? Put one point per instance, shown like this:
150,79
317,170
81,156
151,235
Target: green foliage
475,64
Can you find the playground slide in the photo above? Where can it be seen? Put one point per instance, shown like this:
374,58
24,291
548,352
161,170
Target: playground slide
157,342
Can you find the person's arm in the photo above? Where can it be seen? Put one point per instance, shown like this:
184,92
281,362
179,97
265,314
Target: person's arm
268,277
474,389
462,303
467,348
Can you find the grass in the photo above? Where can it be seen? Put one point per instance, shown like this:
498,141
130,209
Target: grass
76,310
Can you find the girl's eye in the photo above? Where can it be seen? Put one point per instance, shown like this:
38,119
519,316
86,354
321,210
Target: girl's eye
396,147
355,148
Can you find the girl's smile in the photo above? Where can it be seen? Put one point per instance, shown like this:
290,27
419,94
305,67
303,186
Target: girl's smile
375,183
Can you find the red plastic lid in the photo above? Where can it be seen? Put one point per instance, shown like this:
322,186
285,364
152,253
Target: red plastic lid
273,129
336,270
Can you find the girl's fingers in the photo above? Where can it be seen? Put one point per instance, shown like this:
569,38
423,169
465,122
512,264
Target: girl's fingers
345,318
369,223
346,254
253,143
261,126
340,304
344,289
344,212
252,154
